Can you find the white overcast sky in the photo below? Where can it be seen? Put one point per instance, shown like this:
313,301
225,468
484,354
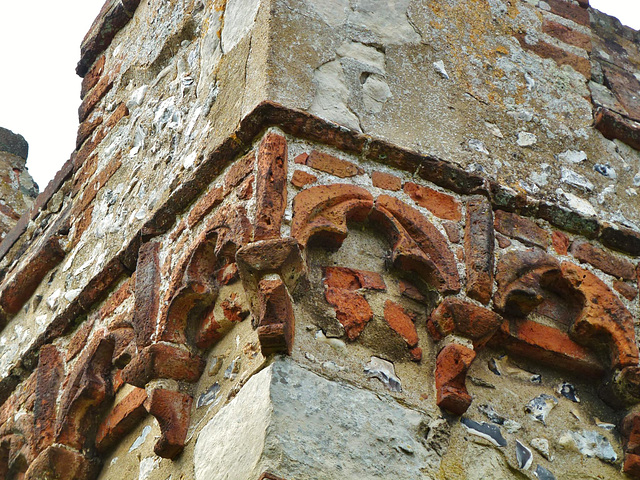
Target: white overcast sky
39,90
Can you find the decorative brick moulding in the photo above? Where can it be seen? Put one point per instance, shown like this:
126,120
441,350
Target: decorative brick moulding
241,266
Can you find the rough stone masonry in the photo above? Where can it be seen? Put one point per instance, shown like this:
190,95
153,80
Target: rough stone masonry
332,239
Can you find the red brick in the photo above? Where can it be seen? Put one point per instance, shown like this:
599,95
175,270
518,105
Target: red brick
82,224
351,279
570,11
19,287
161,360
401,322
440,204
603,319
227,274
232,227
86,128
269,476
173,412
386,181
560,242
121,420
625,86
417,244
561,57
458,316
245,190
479,245
410,291
416,354
301,179
113,16
301,159
192,290
84,172
622,239
212,199
233,309
101,283
117,380
332,165
60,463
352,310
209,331
117,298
276,321
503,242
86,389
452,230
520,228
79,340
452,365
92,189
632,465
547,346
519,276
567,35
97,93
630,431
49,376
92,77
147,288
627,291
239,171
603,260
323,211
271,186
99,134
124,347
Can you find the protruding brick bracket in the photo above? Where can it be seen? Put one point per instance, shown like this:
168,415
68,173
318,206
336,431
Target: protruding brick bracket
270,270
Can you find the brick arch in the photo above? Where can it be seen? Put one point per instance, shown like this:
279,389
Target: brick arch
597,318
183,325
321,216
597,336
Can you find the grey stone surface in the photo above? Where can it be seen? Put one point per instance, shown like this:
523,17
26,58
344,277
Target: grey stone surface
287,419
13,143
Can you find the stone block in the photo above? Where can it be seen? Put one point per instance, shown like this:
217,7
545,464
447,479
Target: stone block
291,431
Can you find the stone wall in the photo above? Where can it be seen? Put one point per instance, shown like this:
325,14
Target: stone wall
323,240
17,190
